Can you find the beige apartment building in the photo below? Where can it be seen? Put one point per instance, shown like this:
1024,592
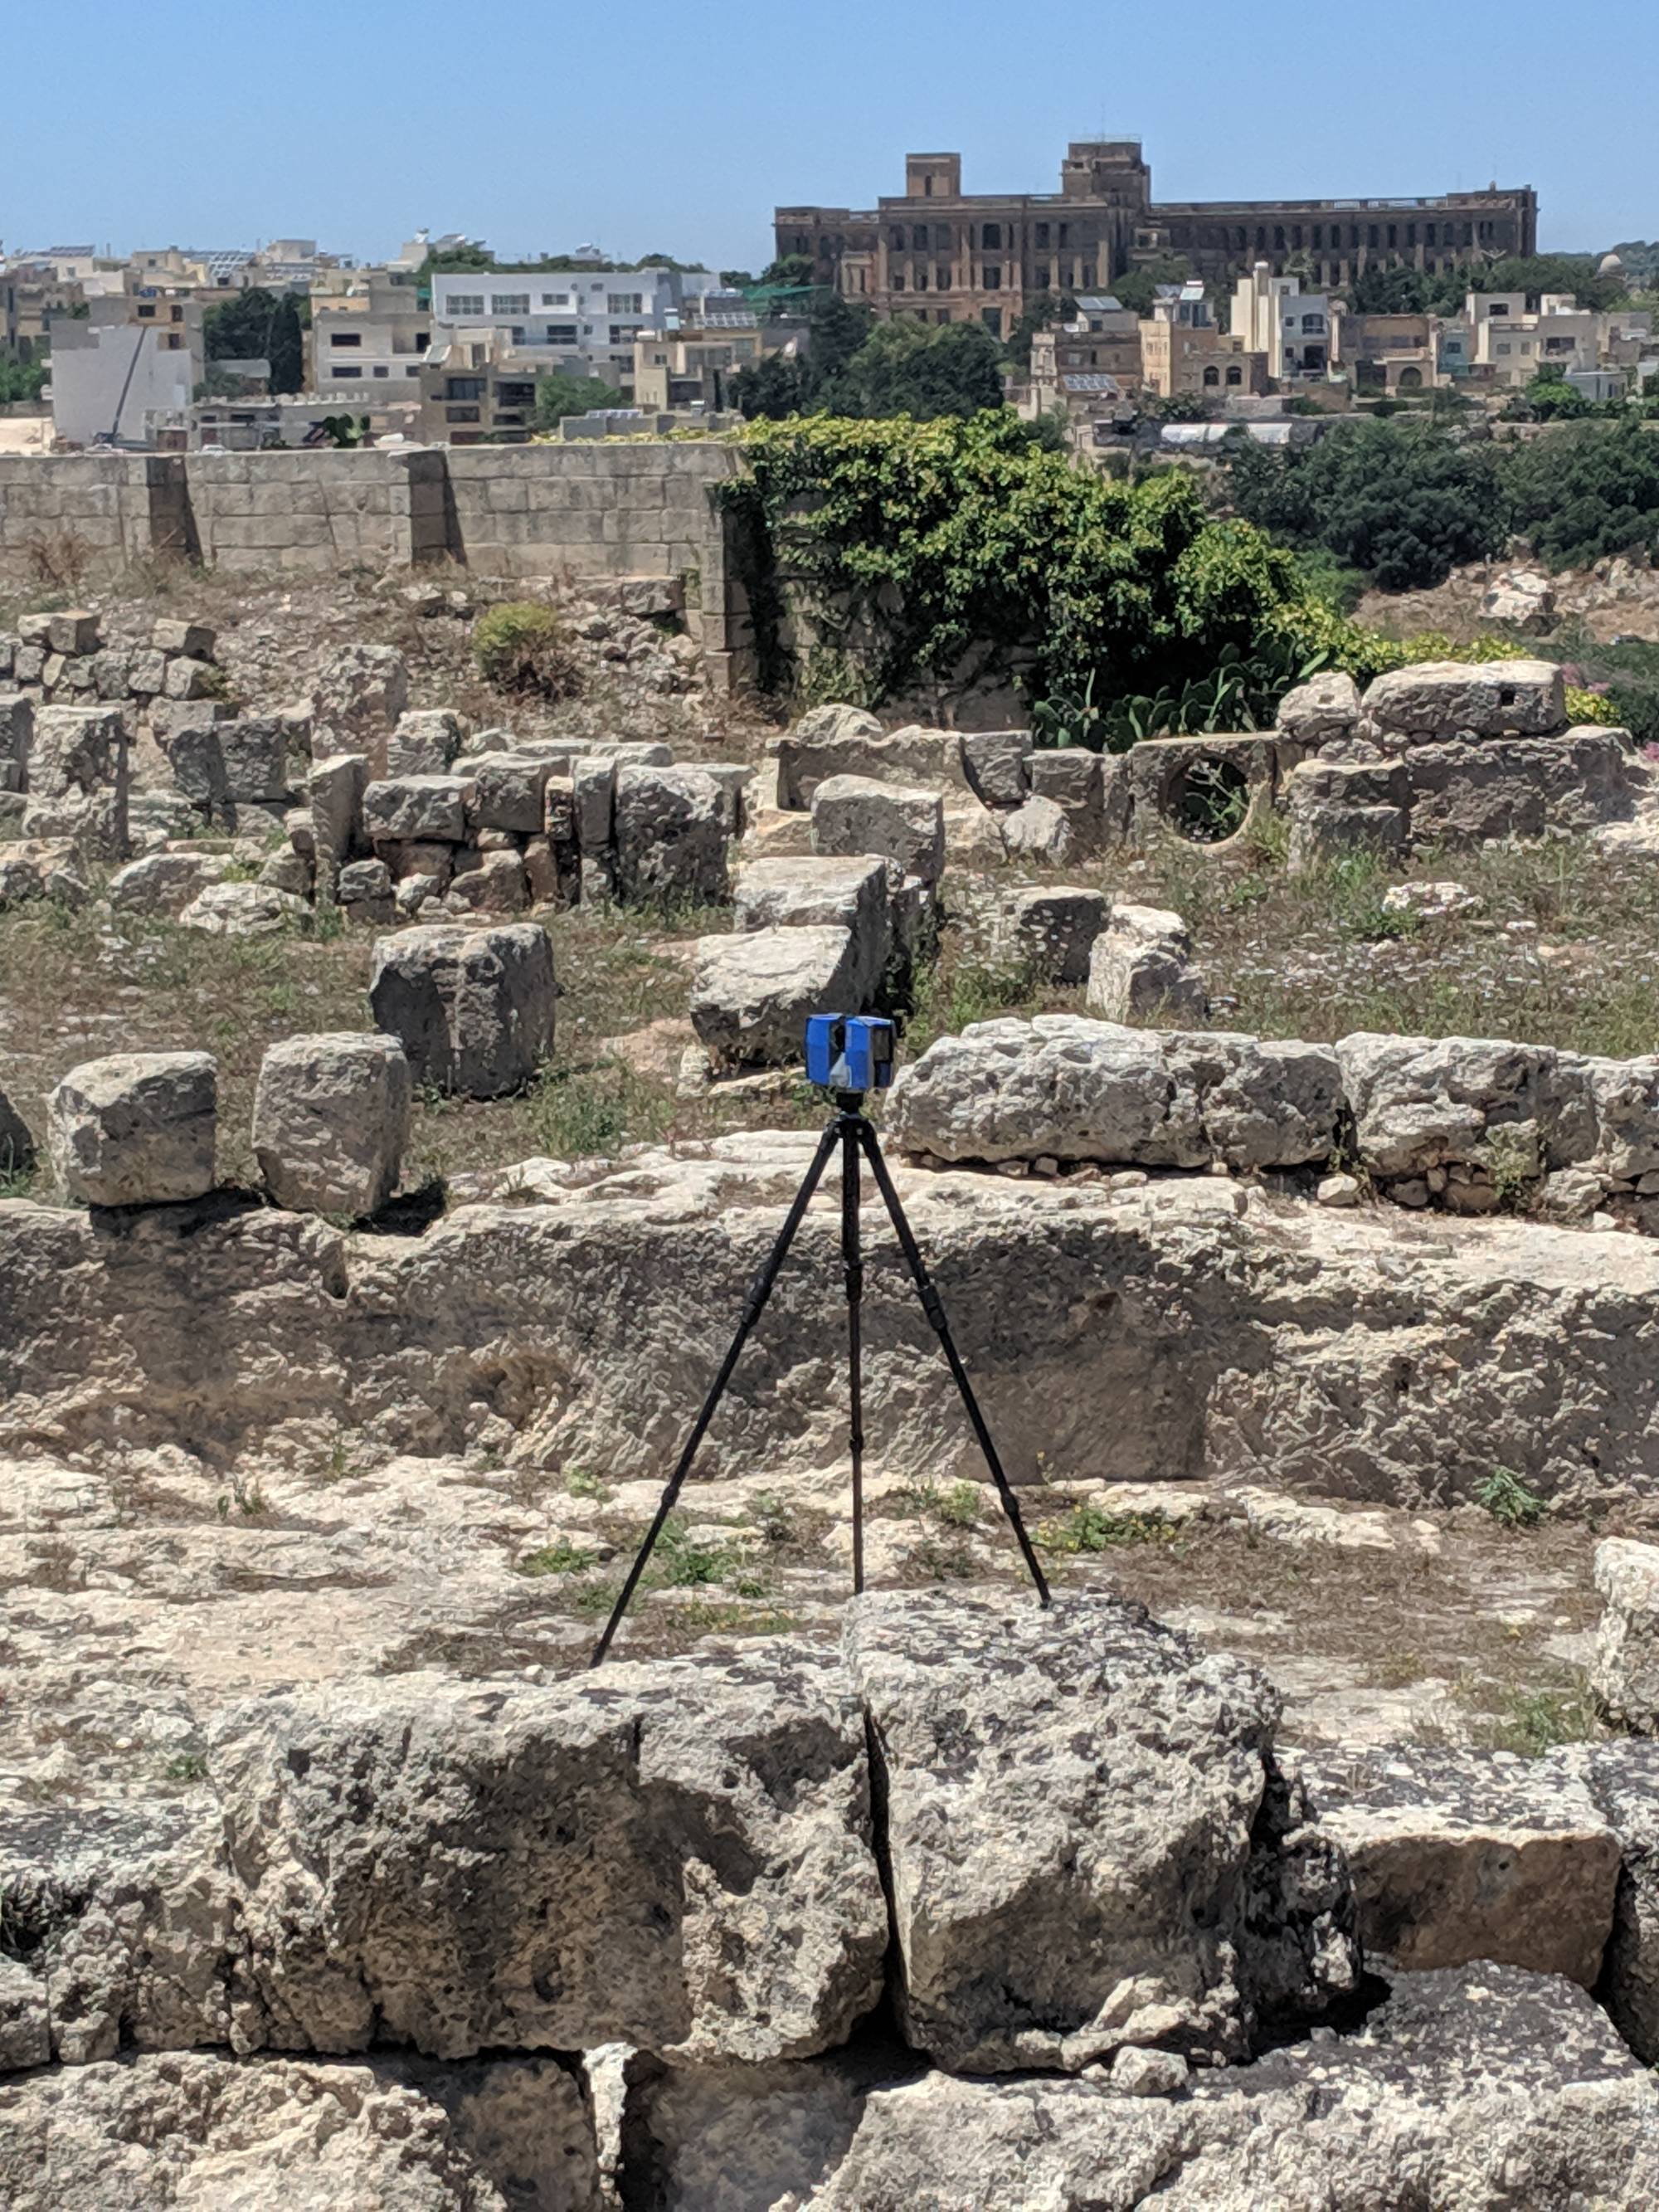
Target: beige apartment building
694,367
1183,350
369,336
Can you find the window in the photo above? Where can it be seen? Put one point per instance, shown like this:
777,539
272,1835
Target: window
556,299
991,235
1040,275
422,339
991,319
1066,233
1213,374
411,372
509,303
561,334
921,280
991,276
146,311
1504,346
466,303
463,387
919,238
515,395
382,372
928,187
341,374
898,280
345,338
460,413
896,240
1235,375
1428,233
625,303
1041,236
175,314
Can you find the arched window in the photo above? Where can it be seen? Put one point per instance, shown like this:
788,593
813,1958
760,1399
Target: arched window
1235,376
1213,374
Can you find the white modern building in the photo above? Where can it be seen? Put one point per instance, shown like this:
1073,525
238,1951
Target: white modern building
583,322
108,378
1275,316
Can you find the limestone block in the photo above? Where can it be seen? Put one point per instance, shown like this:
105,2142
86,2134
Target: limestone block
1423,1103
733,778
1065,1087
429,807
111,673
361,880
16,727
1465,1854
594,789
1039,829
1623,1779
28,664
671,840
853,893
1624,1678
77,780
191,679
1626,1093
509,791
473,1008
1327,706
1468,792
426,741
614,1857
243,910
34,631
134,1129
1087,789
71,631
751,993
1090,1842
854,814
840,741
291,872
334,797
164,883
1490,699
360,694
1140,970
220,765
195,640
147,674
996,764
1051,933
330,1120
494,883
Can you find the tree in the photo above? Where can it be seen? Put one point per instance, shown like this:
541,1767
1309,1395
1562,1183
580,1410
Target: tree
737,279
560,395
927,369
1588,493
287,355
1136,289
1402,502
791,269
667,261
241,327
1551,398
1047,308
775,387
19,379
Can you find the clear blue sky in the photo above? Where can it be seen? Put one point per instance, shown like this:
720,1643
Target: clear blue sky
675,126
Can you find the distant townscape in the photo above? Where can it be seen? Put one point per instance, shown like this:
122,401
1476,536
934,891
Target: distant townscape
1103,314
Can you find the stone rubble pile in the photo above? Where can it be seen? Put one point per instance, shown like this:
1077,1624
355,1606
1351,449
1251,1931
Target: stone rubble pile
995,1906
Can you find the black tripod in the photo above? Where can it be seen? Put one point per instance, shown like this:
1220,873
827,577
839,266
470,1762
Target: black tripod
857,1138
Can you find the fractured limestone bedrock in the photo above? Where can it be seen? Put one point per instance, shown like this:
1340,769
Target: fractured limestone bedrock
274,2135
1464,2090
677,1856
1139,1334
1089,1842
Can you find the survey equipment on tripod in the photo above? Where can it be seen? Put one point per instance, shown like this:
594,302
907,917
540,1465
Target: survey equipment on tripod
848,1056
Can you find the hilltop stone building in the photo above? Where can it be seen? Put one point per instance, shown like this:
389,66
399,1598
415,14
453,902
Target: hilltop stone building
943,255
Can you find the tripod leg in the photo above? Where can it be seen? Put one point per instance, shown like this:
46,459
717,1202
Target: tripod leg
852,1262
933,1306
753,1305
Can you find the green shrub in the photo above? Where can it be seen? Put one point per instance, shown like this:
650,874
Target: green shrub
1508,1501
522,647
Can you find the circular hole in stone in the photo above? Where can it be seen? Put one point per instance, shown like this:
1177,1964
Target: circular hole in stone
1209,798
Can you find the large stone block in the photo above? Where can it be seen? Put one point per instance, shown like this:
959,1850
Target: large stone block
1068,1088
1327,706
1140,969
1466,793
852,893
1490,699
1088,791
996,765
1089,1842
853,814
1051,933
1337,807
1623,1779
165,883
751,993
136,1129
1423,1103
331,1120
429,807
16,728
360,694
593,799
676,1856
1038,829
472,1008
426,741
334,797
508,792
217,764
840,741
77,780
1457,1855
1624,1678
672,839
258,910
195,639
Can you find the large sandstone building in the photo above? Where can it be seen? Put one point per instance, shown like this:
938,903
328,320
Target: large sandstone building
947,256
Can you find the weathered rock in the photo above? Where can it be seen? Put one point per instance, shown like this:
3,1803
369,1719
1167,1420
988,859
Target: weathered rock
752,991
136,1129
676,1856
364,883
1422,1103
197,640
430,807
671,834
854,814
221,763
1082,1090
1465,2091
1089,1843
852,893
490,883
1140,970
191,679
1039,829
1623,1780
1524,598
164,883
1089,790
16,1144
242,910
995,763
1467,793
1466,1855
152,2134
77,780
70,630
1624,1678
1337,806
472,1008
509,791
593,796
425,742
1327,706
1051,933
734,780
291,872
16,727
360,694
334,795
1490,699
843,741
331,1120
49,868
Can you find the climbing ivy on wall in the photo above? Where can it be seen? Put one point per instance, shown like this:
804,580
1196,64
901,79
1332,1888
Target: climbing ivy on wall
883,553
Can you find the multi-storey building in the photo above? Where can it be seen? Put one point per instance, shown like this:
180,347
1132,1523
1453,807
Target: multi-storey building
582,322
1274,316
1184,350
370,338
943,255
